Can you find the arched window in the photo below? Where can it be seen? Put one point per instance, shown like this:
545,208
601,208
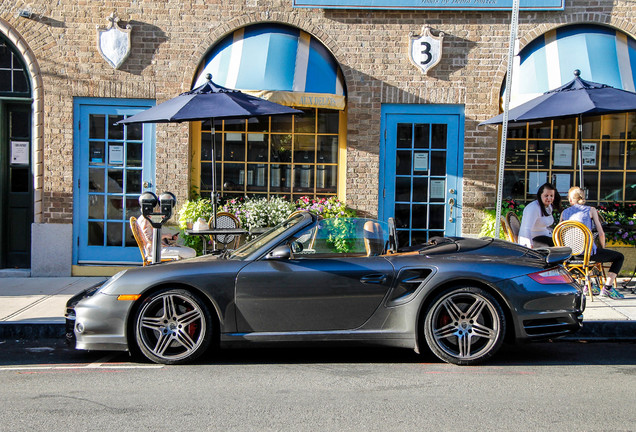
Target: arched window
548,150
292,156
13,77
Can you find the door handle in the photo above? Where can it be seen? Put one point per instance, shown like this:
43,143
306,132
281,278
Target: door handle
451,203
373,279
147,184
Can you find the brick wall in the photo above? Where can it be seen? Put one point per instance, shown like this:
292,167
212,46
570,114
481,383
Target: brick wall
170,38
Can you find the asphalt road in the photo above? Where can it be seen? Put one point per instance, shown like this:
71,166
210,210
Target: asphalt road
561,386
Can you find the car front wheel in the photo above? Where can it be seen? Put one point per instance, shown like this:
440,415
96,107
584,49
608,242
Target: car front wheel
173,326
464,326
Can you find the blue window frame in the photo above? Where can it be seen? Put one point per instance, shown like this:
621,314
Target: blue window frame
421,164
113,165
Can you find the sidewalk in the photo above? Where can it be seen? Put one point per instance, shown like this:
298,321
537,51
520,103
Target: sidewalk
34,308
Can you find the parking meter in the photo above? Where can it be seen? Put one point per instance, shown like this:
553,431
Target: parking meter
148,202
168,201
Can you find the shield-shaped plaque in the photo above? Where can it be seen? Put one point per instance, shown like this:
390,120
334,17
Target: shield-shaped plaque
425,51
113,42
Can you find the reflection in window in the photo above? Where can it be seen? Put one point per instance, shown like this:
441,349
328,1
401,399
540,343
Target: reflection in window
13,76
286,155
608,155
115,162
337,236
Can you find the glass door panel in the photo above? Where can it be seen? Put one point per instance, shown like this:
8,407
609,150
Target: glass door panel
419,183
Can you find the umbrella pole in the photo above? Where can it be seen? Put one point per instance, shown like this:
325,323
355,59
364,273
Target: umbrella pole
213,172
581,151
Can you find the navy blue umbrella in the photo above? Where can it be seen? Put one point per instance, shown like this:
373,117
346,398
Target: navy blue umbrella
576,98
209,102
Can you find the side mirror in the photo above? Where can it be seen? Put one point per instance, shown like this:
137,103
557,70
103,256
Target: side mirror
296,247
279,252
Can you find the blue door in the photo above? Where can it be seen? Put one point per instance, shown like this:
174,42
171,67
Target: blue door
113,164
421,158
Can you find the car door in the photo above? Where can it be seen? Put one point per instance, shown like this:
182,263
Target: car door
310,293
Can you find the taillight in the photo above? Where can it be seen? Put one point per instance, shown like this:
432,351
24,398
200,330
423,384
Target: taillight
556,275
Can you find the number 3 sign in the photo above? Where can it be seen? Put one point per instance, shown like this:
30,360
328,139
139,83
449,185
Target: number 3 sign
425,51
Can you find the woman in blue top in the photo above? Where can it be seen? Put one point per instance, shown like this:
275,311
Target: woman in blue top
588,216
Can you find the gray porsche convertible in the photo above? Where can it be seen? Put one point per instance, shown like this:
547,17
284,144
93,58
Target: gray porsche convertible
330,281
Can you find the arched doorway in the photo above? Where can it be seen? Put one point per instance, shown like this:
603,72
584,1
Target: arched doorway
16,176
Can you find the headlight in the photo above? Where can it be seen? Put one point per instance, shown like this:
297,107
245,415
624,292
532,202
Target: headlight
110,282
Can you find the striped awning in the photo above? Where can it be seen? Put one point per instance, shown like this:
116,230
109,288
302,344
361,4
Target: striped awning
276,62
602,54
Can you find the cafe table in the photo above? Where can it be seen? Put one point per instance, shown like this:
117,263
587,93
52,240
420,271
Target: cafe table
221,231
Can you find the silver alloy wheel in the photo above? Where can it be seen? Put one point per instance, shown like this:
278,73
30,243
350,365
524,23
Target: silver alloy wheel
172,327
465,326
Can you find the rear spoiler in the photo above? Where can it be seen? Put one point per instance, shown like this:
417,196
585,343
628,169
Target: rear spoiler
555,255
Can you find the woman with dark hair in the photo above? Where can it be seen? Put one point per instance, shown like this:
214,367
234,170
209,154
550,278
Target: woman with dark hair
537,218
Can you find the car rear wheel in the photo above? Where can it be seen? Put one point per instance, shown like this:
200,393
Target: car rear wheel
173,326
464,326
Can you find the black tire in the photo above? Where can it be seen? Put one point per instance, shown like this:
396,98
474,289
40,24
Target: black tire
173,326
464,325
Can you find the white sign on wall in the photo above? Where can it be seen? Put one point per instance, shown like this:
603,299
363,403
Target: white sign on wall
113,42
437,189
420,162
116,154
19,152
589,154
425,51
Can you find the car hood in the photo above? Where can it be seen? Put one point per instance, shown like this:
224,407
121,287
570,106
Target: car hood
205,271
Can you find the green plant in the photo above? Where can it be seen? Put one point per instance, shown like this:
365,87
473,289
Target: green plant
189,213
621,222
326,207
342,236
235,206
266,212
488,225
259,212
510,205
342,231
263,212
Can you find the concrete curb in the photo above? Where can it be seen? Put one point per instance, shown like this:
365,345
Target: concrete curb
624,331
32,331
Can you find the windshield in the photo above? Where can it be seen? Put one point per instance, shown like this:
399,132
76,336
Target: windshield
339,236
258,242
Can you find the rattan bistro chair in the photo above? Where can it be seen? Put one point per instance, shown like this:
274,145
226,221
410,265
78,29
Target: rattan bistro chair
579,238
604,266
506,230
514,224
142,243
225,220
